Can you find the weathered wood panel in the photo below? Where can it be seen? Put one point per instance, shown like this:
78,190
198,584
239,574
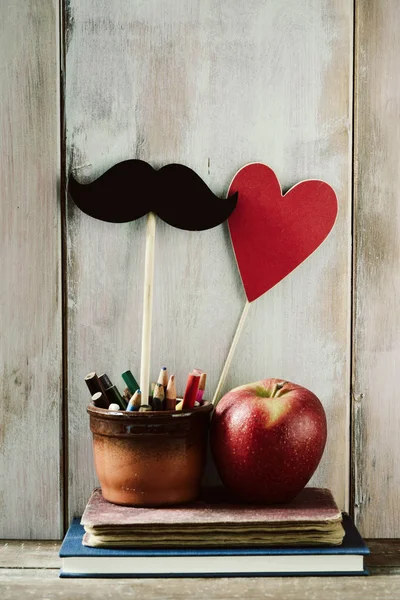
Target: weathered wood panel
31,556
377,277
30,568
212,85
45,583
30,266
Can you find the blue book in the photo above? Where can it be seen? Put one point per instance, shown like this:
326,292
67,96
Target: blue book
82,561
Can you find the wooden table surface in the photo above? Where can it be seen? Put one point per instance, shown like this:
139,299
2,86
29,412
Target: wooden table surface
30,570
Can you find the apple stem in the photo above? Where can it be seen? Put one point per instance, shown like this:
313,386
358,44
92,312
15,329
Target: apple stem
276,389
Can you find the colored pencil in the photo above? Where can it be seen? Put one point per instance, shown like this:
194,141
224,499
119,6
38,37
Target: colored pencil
158,397
202,385
105,381
130,381
94,386
170,400
115,397
100,400
163,378
192,386
127,395
135,401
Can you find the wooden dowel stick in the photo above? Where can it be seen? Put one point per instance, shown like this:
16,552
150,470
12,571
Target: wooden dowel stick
231,353
147,307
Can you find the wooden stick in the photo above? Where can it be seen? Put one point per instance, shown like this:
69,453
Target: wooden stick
147,307
231,353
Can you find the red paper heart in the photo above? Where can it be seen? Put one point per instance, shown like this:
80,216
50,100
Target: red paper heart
273,234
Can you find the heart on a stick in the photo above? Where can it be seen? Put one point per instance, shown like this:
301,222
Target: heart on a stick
272,233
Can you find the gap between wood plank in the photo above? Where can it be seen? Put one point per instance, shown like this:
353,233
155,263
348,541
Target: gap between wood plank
353,262
64,452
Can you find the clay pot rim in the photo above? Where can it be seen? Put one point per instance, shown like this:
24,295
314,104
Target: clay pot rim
120,415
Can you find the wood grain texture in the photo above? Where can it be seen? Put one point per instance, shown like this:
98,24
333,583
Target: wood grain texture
30,299
31,569
377,283
44,583
28,554
385,555
213,85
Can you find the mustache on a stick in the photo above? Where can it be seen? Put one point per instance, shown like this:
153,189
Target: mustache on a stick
131,189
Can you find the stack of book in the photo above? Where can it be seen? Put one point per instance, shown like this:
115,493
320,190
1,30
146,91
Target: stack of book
214,537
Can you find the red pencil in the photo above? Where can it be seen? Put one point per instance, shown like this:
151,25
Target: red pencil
192,386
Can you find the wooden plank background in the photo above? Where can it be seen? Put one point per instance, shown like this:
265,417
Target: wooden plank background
377,275
30,267
212,85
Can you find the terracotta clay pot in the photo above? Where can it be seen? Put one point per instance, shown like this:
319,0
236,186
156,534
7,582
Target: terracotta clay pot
150,458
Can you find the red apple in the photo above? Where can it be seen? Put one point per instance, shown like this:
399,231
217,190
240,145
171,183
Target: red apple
267,439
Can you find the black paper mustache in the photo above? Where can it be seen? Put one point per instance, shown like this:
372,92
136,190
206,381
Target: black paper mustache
131,189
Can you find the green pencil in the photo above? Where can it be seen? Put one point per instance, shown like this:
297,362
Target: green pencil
115,397
130,381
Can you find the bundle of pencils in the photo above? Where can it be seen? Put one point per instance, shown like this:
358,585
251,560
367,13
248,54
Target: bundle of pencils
162,394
